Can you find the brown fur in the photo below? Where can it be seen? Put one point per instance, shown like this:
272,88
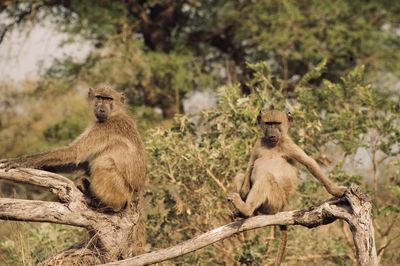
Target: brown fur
110,151
271,177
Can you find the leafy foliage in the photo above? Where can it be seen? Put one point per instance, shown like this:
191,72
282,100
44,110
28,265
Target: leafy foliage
163,49
29,244
306,57
192,164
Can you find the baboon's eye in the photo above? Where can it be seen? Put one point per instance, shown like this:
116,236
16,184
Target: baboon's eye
104,98
272,123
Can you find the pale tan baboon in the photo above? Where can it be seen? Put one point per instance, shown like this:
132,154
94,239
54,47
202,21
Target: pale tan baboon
271,176
110,151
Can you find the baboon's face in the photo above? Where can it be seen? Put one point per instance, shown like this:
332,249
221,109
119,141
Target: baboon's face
103,107
105,102
272,132
274,125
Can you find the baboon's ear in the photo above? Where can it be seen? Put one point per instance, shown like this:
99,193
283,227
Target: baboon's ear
122,99
90,93
290,117
259,118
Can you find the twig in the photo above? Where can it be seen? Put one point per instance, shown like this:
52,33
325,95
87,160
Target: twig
314,257
213,177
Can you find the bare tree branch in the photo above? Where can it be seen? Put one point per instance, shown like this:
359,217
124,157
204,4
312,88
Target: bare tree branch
312,218
40,211
112,235
325,213
222,232
59,185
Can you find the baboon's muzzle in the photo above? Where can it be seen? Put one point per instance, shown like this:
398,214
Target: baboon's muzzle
101,113
272,135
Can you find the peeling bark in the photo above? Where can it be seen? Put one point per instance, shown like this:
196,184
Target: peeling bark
112,235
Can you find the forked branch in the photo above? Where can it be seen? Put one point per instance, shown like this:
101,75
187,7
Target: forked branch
357,213
112,234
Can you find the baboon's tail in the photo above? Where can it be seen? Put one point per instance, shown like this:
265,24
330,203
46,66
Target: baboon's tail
282,245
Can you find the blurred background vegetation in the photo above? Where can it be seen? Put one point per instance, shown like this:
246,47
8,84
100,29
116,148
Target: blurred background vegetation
334,64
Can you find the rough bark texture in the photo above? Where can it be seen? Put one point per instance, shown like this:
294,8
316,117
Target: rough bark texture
112,235
115,236
353,208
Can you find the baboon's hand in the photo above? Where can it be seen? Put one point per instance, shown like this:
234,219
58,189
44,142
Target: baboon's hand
338,191
82,183
231,196
237,214
234,198
8,164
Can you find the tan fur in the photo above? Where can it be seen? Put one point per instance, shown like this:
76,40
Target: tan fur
110,152
271,177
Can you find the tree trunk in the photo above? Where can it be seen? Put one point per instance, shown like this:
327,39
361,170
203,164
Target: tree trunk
112,236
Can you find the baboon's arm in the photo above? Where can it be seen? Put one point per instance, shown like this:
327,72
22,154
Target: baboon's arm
72,155
55,160
246,181
299,155
57,157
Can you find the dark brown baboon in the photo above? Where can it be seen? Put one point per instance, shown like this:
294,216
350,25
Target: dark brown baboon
271,176
110,151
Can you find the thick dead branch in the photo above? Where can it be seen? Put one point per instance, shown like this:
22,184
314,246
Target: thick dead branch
40,211
353,209
361,226
63,187
222,232
112,235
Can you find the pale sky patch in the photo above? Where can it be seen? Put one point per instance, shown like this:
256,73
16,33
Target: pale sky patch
24,49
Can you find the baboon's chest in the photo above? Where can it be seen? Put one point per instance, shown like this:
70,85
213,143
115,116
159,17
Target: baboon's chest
273,155
277,163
